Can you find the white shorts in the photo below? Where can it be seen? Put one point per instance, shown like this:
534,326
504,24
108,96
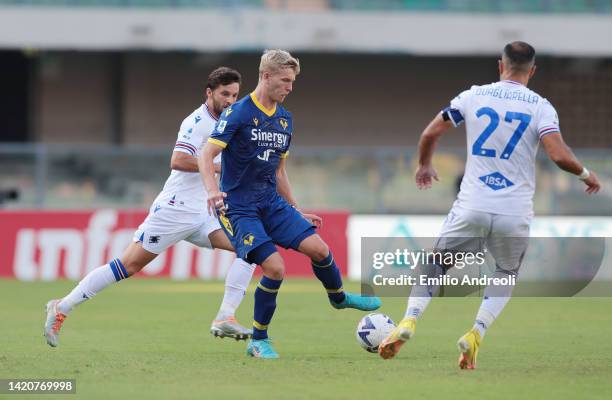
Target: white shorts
505,236
165,227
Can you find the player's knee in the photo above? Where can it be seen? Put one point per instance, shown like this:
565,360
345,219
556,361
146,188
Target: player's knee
319,252
275,273
314,247
274,267
271,262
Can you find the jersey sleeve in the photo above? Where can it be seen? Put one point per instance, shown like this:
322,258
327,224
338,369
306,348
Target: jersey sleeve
285,153
455,112
548,120
289,120
228,124
189,138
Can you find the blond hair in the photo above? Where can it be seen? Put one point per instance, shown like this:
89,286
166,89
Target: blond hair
274,60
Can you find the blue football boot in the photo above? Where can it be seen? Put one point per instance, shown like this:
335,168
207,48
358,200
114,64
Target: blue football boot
261,348
362,303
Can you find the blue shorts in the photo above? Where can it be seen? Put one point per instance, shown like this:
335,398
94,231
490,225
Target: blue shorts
272,220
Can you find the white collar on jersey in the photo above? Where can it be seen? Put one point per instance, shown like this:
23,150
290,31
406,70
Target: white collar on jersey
512,82
205,106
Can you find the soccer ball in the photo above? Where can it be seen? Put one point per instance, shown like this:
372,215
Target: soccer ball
373,329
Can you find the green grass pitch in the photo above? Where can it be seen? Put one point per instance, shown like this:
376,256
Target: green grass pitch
149,339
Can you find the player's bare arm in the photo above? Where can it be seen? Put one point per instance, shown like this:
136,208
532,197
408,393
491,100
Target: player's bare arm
207,170
427,145
561,154
283,187
181,161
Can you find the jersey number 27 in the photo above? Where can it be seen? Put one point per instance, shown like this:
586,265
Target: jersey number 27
477,148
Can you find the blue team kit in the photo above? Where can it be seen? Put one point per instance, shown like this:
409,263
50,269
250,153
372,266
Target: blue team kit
254,140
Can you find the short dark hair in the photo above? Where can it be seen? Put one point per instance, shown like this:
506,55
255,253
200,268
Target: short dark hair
223,76
519,55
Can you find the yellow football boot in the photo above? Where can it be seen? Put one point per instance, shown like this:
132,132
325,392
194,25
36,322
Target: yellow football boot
468,345
392,343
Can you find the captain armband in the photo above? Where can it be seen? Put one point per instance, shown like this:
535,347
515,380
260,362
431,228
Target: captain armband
453,115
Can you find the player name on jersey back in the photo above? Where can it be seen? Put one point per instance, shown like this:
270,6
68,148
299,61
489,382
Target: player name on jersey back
514,94
504,124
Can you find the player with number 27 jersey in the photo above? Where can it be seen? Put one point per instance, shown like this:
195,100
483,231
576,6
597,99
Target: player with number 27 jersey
505,122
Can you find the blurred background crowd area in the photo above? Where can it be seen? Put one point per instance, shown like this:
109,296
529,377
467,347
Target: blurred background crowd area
90,109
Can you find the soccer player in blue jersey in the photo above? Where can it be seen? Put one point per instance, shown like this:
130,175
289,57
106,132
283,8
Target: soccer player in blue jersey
255,204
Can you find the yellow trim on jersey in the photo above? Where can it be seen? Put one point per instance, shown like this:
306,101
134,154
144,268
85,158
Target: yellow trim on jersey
269,113
284,155
265,289
259,326
217,142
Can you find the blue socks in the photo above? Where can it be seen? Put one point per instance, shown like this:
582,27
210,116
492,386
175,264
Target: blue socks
329,275
265,294
265,304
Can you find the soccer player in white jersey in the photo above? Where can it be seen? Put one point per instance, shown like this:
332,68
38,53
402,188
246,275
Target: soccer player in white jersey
178,213
505,122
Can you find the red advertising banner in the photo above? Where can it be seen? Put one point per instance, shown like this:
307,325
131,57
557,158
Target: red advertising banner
47,245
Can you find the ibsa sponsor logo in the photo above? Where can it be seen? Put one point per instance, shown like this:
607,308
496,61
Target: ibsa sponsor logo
67,252
496,181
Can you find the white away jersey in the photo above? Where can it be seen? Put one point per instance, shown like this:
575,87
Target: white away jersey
504,123
185,190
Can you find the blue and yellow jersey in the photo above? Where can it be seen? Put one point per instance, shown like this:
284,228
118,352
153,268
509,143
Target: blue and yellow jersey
254,139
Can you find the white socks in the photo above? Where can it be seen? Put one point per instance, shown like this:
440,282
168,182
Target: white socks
236,282
416,306
490,308
420,296
93,282
494,300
